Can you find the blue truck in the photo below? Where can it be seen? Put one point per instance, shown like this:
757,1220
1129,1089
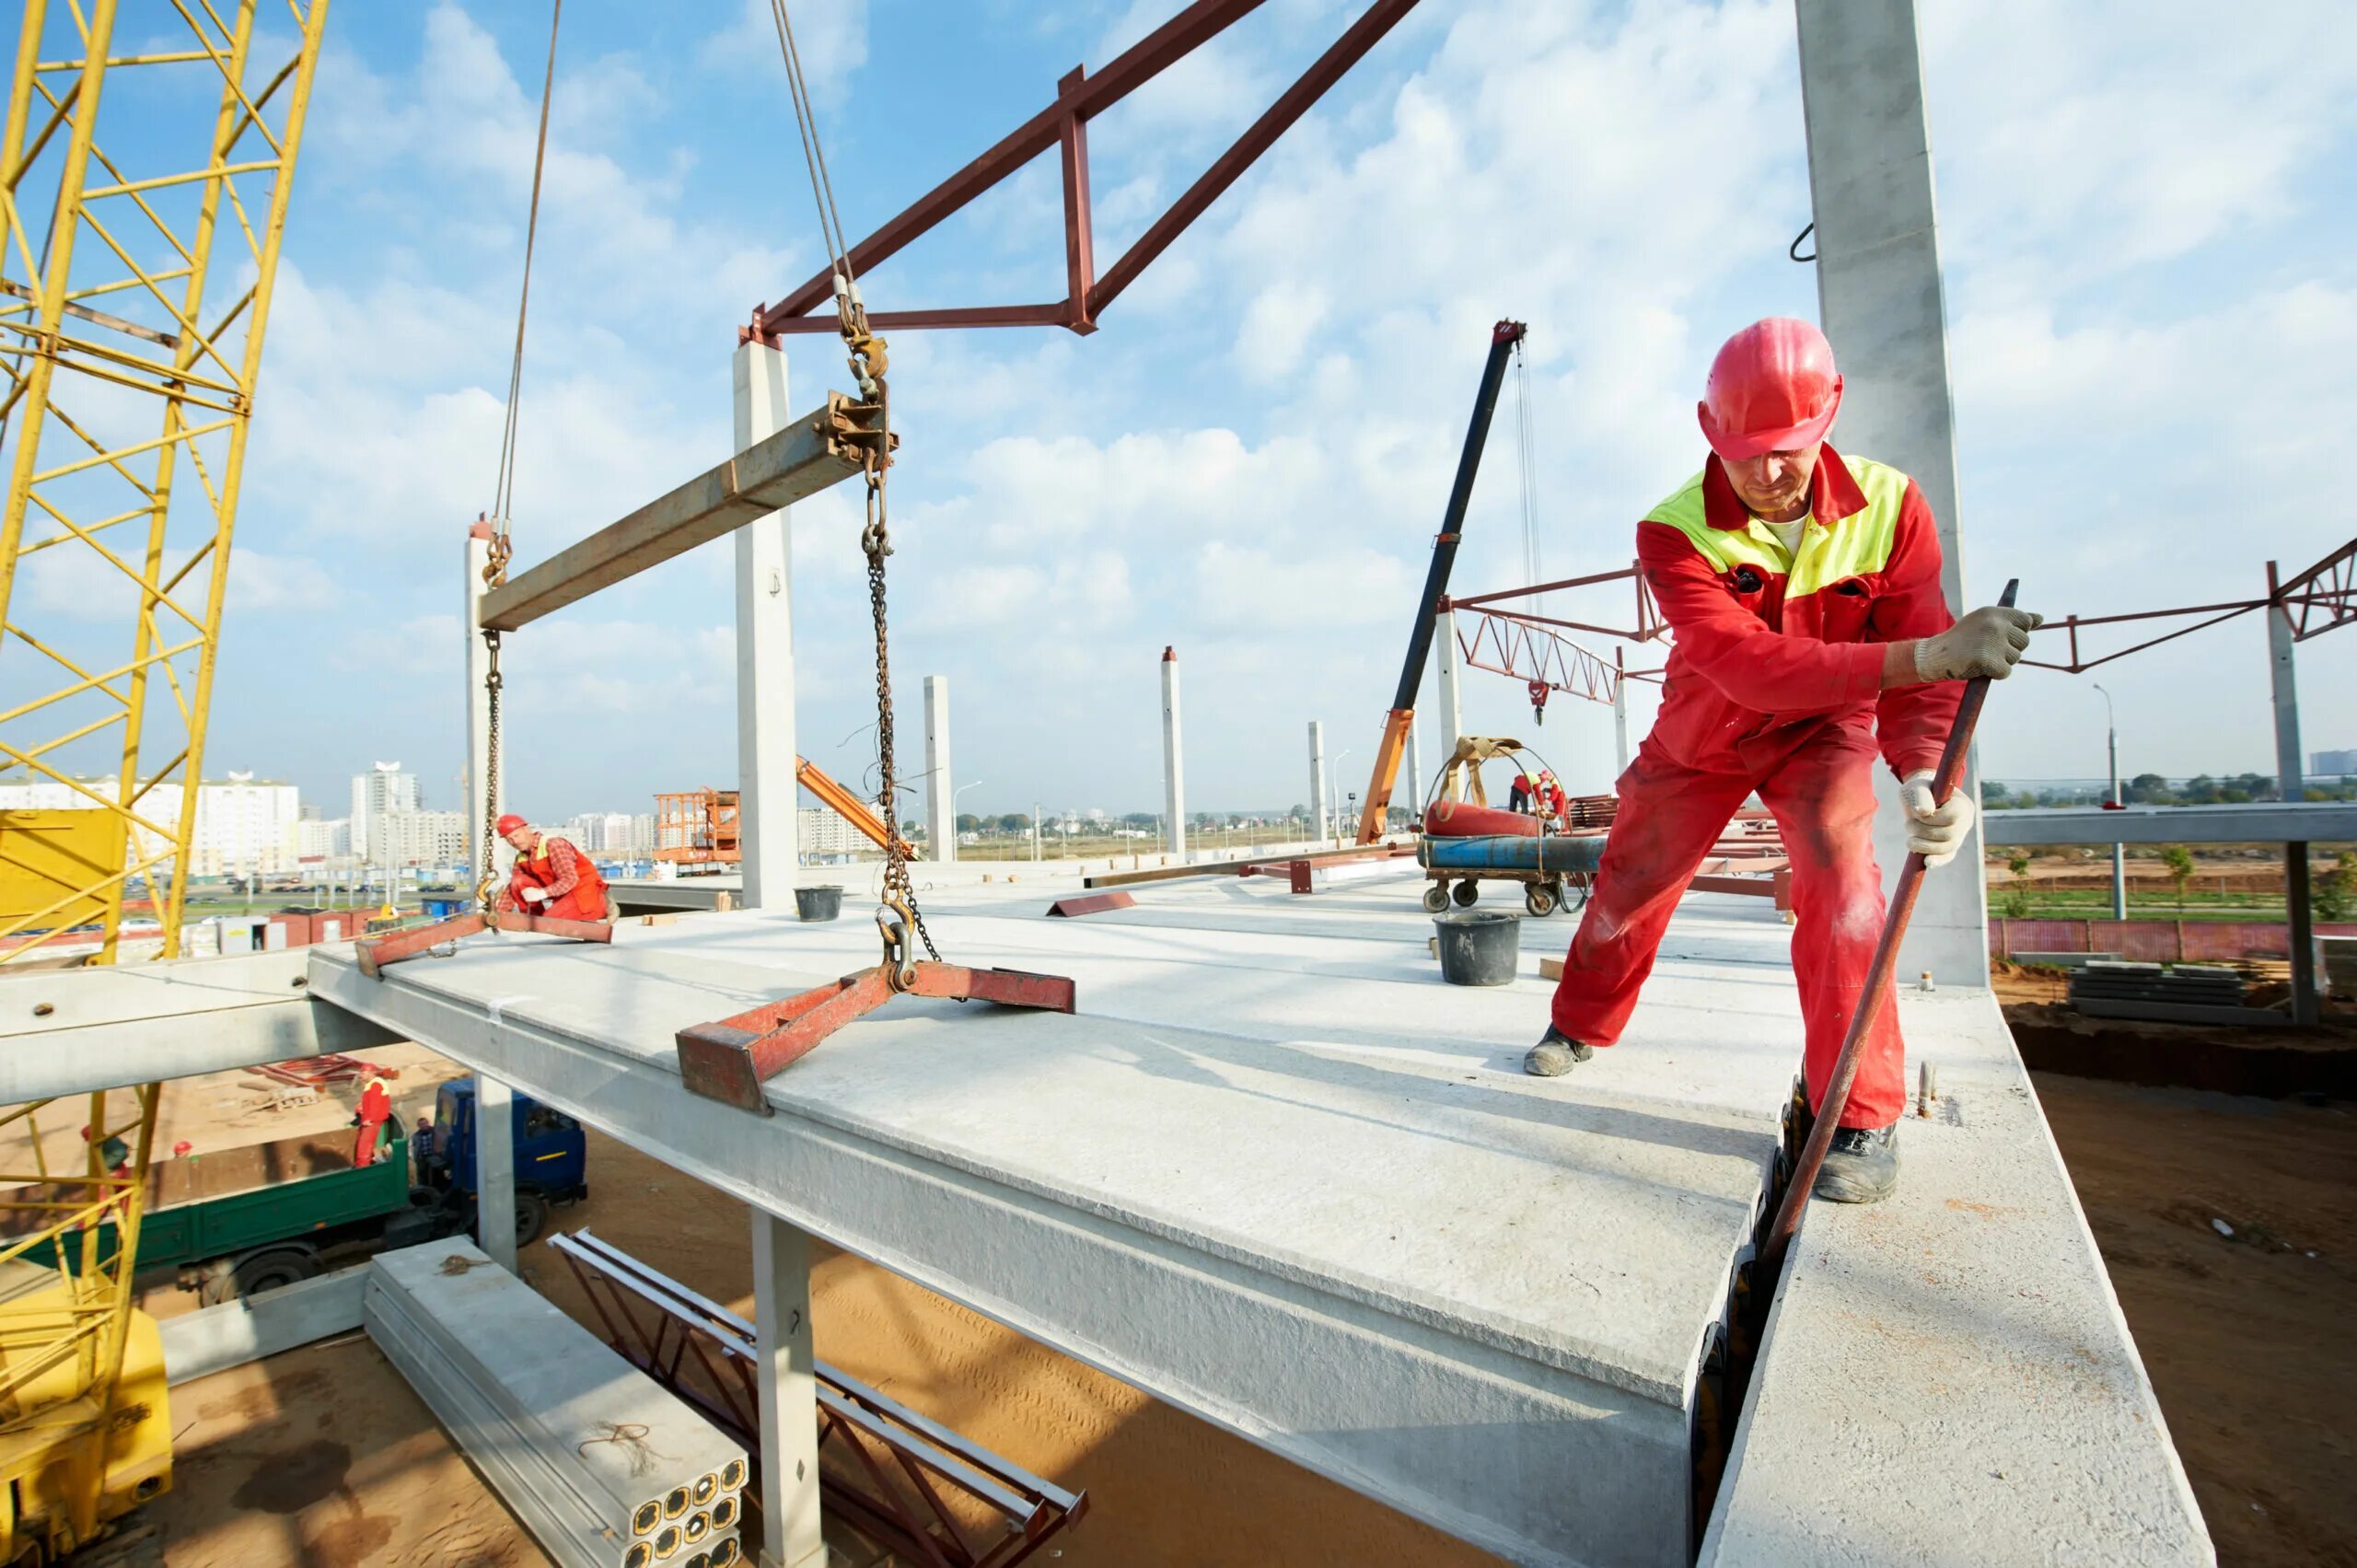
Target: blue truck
551,1158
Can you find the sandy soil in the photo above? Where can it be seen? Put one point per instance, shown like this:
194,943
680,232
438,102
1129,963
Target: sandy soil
2245,1336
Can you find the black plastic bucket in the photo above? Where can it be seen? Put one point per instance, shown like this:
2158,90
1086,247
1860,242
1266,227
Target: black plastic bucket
1478,946
819,904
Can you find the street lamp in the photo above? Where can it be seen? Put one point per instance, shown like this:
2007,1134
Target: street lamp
2119,851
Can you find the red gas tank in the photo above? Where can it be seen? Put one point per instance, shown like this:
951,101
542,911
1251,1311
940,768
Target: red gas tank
1462,820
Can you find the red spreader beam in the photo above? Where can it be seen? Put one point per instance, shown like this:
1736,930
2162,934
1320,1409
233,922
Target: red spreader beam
375,952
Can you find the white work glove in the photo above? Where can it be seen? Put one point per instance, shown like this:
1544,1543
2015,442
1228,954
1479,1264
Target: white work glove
1989,640
540,895
1934,832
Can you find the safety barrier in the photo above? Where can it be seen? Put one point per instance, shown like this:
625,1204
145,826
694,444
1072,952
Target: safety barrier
2153,941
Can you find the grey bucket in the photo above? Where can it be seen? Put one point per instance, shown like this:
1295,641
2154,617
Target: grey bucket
819,904
1478,946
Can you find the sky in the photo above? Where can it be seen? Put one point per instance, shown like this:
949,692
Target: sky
2149,286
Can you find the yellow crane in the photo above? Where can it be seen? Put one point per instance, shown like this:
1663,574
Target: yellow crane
145,170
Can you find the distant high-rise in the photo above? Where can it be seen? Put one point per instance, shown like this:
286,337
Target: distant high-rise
2332,762
381,790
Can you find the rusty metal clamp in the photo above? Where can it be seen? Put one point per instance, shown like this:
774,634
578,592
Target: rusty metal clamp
893,921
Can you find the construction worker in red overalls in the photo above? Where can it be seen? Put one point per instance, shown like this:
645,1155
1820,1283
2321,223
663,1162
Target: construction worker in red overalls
375,1106
1802,587
550,878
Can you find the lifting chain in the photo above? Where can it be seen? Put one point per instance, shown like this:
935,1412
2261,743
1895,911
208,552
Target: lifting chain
494,574
899,916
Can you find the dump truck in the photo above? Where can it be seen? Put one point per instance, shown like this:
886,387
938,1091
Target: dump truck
262,1215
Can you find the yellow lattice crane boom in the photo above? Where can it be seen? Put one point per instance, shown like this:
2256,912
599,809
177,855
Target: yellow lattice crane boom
145,170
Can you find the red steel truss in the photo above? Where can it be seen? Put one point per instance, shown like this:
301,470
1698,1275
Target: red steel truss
1532,648
2318,599
1064,125
909,1484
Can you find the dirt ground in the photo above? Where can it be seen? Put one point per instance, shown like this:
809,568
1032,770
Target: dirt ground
324,1458
2245,1336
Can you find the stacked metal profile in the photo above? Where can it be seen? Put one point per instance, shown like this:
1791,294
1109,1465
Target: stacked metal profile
606,1468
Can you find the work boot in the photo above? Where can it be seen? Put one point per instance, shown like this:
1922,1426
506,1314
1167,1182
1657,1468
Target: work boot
1862,1165
1555,1054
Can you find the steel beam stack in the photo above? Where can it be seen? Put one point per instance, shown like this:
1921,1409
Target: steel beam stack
607,1469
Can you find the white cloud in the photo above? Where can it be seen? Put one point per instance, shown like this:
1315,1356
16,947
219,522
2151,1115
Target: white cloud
830,36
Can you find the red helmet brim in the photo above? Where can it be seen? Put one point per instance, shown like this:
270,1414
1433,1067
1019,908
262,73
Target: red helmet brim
1736,446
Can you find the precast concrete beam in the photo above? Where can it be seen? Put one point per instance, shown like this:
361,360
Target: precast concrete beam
1946,1375
2262,821
71,1031
213,1339
774,472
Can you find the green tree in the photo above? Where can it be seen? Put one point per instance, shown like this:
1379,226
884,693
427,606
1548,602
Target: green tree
2147,789
2179,861
2017,894
2329,895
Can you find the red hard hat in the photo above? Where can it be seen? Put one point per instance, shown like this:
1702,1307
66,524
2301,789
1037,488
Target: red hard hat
509,823
1772,389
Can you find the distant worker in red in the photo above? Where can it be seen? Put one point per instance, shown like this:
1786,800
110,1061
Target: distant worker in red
550,878
376,1104
1802,587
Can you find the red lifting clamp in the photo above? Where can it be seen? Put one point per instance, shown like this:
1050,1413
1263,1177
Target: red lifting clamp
375,952
729,1059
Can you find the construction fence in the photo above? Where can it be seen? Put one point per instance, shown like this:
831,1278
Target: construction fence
2153,941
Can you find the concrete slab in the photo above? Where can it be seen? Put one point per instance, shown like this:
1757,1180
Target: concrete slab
213,1339
1286,1178
1947,1377
2258,821
70,1031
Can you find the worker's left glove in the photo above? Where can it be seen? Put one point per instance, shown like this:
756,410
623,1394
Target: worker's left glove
535,895
1933,831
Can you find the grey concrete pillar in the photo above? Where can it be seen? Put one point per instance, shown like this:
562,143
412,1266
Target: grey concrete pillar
1621,711
788,1394
1415,801
1880,295
940,787
495,1170
767,794
1452,709
478,710
2291,783
1318,825
1174,772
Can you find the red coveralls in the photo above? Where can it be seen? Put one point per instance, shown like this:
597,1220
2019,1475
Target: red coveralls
575,890
375,1107
1774,684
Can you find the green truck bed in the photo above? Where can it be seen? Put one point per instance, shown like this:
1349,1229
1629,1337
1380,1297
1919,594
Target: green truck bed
287,1211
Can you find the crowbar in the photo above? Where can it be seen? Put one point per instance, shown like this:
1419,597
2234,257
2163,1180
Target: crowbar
1894,927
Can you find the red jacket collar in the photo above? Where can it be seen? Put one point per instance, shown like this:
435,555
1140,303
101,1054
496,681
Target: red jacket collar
1833,493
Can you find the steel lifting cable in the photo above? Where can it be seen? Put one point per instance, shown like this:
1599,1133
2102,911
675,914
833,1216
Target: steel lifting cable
1527,458
865,354
494,571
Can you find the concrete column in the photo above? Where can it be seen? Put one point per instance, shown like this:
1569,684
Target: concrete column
1621,711
1880,296
1452,710
941,790
1415,801
495,1170
2291,783
1318,824
788,1392
1174,769
478,710
767,794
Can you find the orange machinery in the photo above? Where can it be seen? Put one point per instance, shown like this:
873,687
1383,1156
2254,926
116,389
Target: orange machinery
698,827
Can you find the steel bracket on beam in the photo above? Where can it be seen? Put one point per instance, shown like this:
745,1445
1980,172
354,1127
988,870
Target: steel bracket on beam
730,1059
817,450
375,952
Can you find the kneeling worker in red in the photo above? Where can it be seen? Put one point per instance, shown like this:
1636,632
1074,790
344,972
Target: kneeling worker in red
1802,587
551,879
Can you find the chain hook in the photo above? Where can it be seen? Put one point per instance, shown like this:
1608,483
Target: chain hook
893,921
